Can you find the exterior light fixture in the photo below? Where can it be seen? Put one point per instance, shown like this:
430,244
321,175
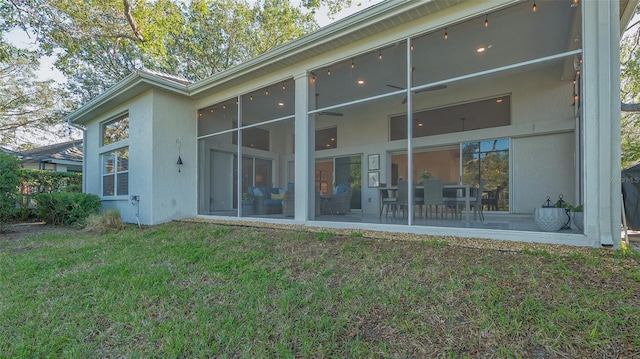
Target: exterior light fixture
535,7
283,86
360,82
411,45
486,21
380,55
251,98
446,33
266,92
179,162
328,71
280,104
353,66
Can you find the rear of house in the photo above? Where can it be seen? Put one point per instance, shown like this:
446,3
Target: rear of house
507,104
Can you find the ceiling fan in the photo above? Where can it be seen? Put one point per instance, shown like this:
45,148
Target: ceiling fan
326,113
432,88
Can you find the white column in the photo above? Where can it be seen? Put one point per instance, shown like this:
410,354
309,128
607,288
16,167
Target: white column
305,152
601,112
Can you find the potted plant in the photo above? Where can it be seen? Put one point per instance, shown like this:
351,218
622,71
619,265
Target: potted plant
248,208
550,217
578,216
426,175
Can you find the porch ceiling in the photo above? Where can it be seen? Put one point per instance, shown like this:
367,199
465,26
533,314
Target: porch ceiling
515,34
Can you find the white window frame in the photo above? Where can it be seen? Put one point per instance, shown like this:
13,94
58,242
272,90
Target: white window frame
116,173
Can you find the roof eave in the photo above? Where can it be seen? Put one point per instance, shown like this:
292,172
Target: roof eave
132,85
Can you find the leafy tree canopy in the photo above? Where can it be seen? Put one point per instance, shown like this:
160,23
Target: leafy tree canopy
98,43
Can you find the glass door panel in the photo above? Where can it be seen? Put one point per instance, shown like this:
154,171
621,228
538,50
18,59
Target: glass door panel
488,160
348,170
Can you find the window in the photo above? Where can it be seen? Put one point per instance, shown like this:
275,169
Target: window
115,130
115,172
326,138
252,137
489,161
468,116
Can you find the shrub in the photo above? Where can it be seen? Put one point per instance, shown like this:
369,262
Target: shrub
9,181
66,207
109,220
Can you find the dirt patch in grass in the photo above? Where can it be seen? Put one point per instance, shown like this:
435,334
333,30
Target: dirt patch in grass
18,231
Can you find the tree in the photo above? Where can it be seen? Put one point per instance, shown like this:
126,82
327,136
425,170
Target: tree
27,106
630,94
9,181
101,42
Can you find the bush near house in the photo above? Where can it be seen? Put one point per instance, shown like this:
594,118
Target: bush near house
66,207
9,180
33,182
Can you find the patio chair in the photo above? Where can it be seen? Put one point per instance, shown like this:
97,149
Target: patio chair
340,201
387,201
403,198
433,195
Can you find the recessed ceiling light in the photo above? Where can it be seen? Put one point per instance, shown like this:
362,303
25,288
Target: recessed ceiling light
280,104
481,49
360,82
499,100
419,124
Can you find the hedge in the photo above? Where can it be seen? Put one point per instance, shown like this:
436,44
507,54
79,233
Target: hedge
66,207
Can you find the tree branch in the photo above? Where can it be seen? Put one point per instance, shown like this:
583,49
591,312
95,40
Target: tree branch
131,20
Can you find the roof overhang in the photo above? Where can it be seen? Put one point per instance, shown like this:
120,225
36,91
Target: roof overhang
133,85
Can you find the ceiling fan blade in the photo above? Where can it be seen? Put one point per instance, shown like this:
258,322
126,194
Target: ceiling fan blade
396,87
432,88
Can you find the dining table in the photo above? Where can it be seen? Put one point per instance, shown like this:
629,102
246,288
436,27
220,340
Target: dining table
464,188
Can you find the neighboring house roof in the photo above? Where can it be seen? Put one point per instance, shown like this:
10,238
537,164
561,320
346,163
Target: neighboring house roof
65,153
364,24
10,152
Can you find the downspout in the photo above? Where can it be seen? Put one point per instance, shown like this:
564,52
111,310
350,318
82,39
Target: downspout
84,150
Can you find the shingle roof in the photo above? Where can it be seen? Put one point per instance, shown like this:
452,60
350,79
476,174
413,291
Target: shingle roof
65,151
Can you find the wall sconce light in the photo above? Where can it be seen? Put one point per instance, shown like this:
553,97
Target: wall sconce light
179,162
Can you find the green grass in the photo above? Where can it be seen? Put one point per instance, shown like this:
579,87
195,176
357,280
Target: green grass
203,290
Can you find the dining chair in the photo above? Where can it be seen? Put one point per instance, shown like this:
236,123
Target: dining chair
475,199
450,200
433,195
388,201
403,198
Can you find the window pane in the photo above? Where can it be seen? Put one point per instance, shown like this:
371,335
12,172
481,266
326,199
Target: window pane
108,161
123,159
108,185
326,138
123,184
116,130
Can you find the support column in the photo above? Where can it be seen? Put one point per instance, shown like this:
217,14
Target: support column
304,152
601,113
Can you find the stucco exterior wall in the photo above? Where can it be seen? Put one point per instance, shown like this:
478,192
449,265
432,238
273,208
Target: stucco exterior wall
173,132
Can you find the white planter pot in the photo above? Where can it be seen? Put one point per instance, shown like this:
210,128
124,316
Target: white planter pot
550,219
578,220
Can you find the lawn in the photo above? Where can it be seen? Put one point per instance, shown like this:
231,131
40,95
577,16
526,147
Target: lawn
212,290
